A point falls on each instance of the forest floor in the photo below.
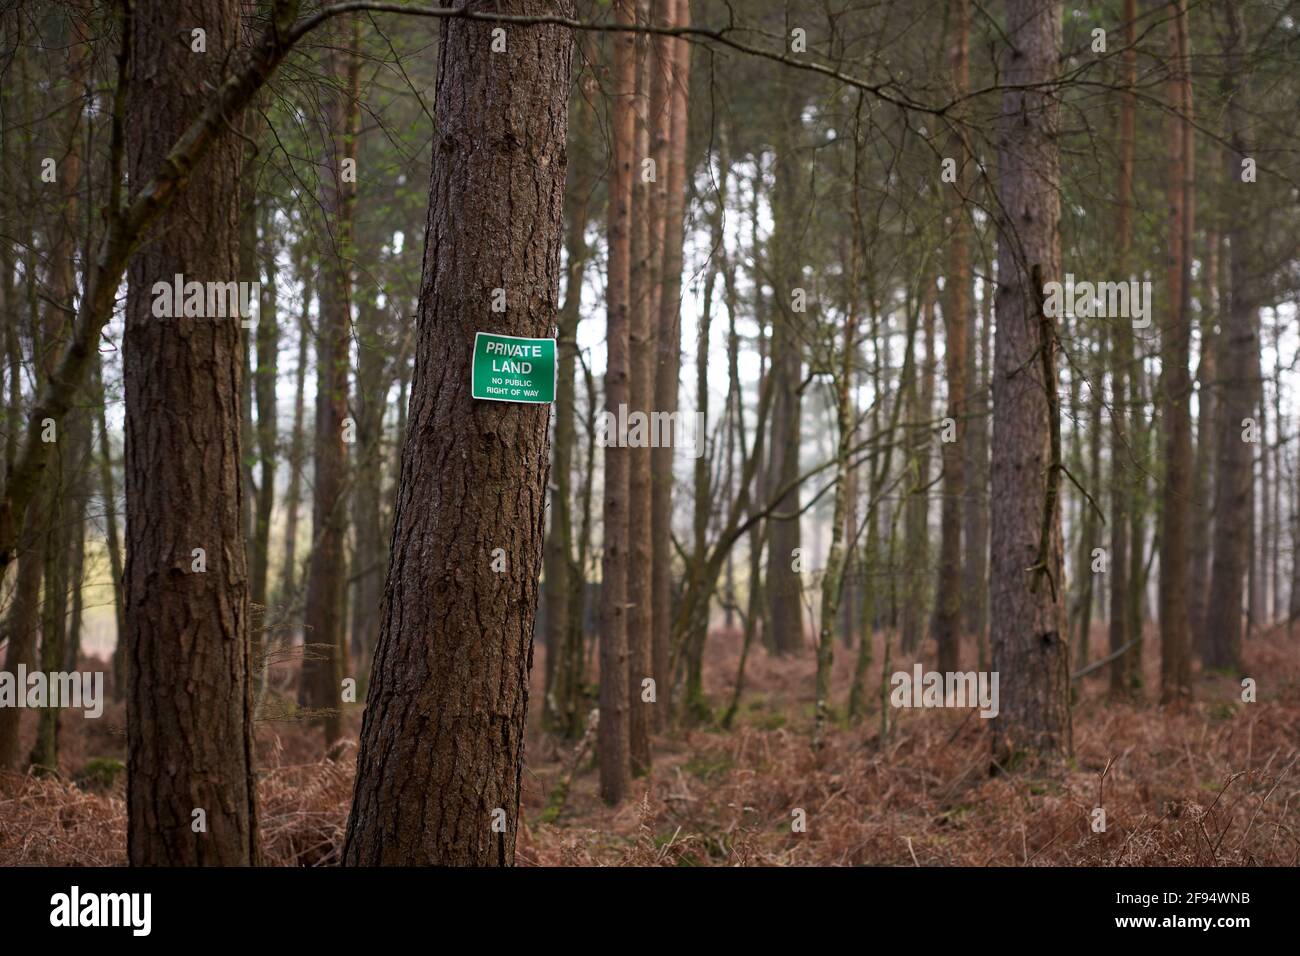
(1214, 782)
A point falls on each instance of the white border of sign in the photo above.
(555, 369)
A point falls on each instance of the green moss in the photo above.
(707, 766)
(1223, 710)
(99, 773)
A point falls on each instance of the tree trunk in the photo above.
(22, 625)
(975, 585)
(325, 655)
(297, 450)
(784, 584)
(1027, 588)
(696, 702)
(112, 537)
(916, 509)
(1239, 354)
(1176, 491)
(1121, 449)
(448, 695)
(641, 388)
(265, 371)
(956, 319)
(1207, 429)
(189, 698)
(613, 729)
(369, 552)
(677, 58)
(561, 710)
(60, 478)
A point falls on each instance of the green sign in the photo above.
(508, 368)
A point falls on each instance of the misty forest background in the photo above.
(429, 629)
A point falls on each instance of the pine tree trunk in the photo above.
(1239, 354)
(975, 586)
(916, 510)
(373, 380)
(1121, 448)
(956, 319)
(563, 691)
(1027, 588)
(448, 696)
(784, 584)
(23, 625)
(1175, 656)
(1207, 377)
(297, 450)
(112, 537)
(189, 696)
(641, 394)
(613, 730)
(325, 659)
(677, 58)
(265, 371)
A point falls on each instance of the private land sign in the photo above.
(508, 368)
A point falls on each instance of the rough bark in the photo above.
(956, 319)
(641, 374)
(443, 735)
(1026, 601)
(189, 696)
(613, 730)
(1176, 490)
(677, 59)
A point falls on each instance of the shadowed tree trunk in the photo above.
(59, 512)
(297, 448)
(1175, 511)
(1121, 450)
(1207, 392)
(22, 626)
(916, 509)
(677, 59)
(696, 704)
(112, 536)
(325, 657)
(975, 586)
(189, 697)
(641, 394)
(563, 576)
(561, 706)
(267, 339)
(1027, 634)
(613, 728)
(373, 379)
(1239, 384)
(784, 584)
(956, 318)
(448, 693)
